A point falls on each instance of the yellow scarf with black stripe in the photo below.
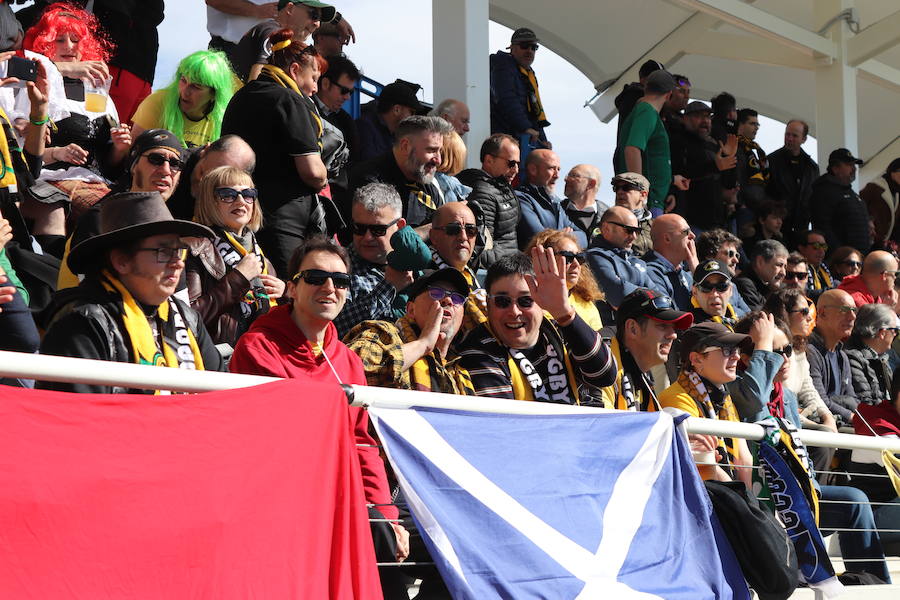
(522, 389)
(8, 178)
(428, 374)
(145, 350)
(533, 99)
(728, 320)
(723, 410)
(284, 80)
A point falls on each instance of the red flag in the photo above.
(247, 493)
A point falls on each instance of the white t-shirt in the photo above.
(230, 27)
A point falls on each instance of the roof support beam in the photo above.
(873, 40)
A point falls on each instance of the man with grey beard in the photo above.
(410, 167)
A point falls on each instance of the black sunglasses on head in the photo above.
(454, 229)
(340, 280)
(377, 230)
(504, 301)
(157, 160)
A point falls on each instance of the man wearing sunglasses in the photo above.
(125, 308)
(829, 365)
(631, 191)
(516, 106)
(672, 259)
(813, 247)
(618, 271)
(875, 283)
(711, 294)
(726, 248)
(540, 207)
(519, 353)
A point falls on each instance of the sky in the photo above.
(578, 136)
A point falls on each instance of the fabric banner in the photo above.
(561, 506)
(247, 493)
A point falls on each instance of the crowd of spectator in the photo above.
(239, 218)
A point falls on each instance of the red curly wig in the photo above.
(60, 18)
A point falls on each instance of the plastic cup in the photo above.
(96, 95)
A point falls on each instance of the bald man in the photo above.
(875, 283)
(454, 112)
(672, 259)
(618, 271)
(540, 208)
(581, 204)
(829, 366)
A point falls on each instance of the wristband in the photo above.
(43, 121)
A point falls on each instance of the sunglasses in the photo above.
(818, 245)
(454, 229)
(509, 162)
(798, 275)
(341, 281)
(532, 47)
(785, 351)
(503, 301)
(345, 91)
(721, 287)
(731, 253)
(629, 228)
(852, 263)
(229, 195)
(157, 160)
(802, 311)
(572, 256)
(625, 187)
(439, 293)
(376, 230)
(167, 255)
(727, 351)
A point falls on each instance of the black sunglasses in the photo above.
(157, 160)
(454, 229)
(721, 287)
(504, 301)
(570, 256)
(731, 253)
(798, 275)
(802, 311)
(345, 91)
(341, 281)
(377, 230)
(625, 187)
(628, 228)
(439, 293)
(785, 351)
(167, 255)
(527, 46)
(509, 162)
(851, 263)
(229, 195)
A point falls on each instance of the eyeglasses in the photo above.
(842, 308)
(167, 255)
(851, 263)
(504, 301)
(802, 311)
(454, 229)
(727, 351)
(229, 195)
(157, 160)
(891, 273)
(439, 293)
(341, 281)
(509, 162)
(532, 47)
(818, 245)
(721, 287)
(377, 230)
(798, 275)
(345, 91)
(572, 256)
(629, 228)
(785, 351)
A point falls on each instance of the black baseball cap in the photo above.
(650, 66)
(709, 333)
(447, 275)
(842, 155)
(523, 35)
(697, 106)
(709, 267)
(657, 307)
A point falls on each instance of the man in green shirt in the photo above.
(643, 145)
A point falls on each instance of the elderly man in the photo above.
(539, 206)
(873, 333)
(768, 261)
(672, 259)
(581, 204)
(631, 191)
(410, 167)
(493, 194)
(454, 112)
(519, 353)
(614, 265)
(125, 310)
(645, 329)
(377, 216)
(839, 212)
(829, 366)
(875, 283)
(516, 107)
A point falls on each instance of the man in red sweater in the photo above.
(876, 281)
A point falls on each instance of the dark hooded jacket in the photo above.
(500, 209)
(839, 214)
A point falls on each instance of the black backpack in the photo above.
(763, 549)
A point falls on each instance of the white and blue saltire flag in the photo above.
(560, 506)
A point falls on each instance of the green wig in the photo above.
(204, 67)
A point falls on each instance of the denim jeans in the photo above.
(854, 544)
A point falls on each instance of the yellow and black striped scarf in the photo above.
(533, 104)
(722, 410)
(700, 315)
(429, 374)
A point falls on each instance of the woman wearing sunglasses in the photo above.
(845, 261)
(229, 279)
(583, 289)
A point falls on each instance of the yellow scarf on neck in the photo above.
(534, 105)
(8, 176)
(143, 344)
(285, 80)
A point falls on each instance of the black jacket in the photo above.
(500, 207)
(626, 100)
(384, 169)
(752, 290)
(840, 214)
(843, 401)
(86, 323)
(869, 372)
(694, 157)
(792, 193)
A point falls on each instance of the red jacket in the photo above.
(275, 346)
(856, 287)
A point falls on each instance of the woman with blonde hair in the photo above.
(229, 279)
(453, 160)
(583, 288)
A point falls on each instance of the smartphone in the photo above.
(731, 126)
(21, 68)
